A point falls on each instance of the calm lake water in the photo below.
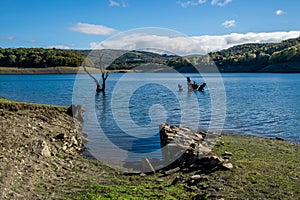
(135, 104)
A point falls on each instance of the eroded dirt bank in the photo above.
(41, 153)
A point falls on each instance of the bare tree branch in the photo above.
(99, 88)
(104, 75)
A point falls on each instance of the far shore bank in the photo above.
(278, 69)
(53, 70)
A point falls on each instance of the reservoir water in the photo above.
(265, 105)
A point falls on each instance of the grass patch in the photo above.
(4, 100)
(28, 104)
(263, 168)
(142, 191)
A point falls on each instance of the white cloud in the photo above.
(186, 4)
(279, 12)
(121, 3)
(113, 3)
(181, 45)
(229, 23)
(220, 3)
(214, 43)
(92, 29)
(58, 47)
(201, 1)
(136, 41)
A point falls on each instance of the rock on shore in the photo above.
(188, 149)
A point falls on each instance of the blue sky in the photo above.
(84, 24)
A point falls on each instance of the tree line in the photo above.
(246, 57)
(259, 54)
(39, 57)
(249, 57)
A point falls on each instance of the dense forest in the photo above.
(268, 57)
(39, 57)
(258, 56)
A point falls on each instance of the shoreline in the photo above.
(41, 159)
(53, 70)
(77, 70)
(6, 100)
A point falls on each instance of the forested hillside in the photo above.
(258, 56)
(39, 57)
(268, 57)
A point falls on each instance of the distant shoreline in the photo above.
(284, 68)
(52, 70)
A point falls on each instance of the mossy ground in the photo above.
(263, 169)
(13, 103)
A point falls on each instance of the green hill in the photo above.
(281, 57)
(269, 57)
(39, 58)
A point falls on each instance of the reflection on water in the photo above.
(257, 104)
(128, 117)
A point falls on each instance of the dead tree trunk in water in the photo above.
(99, 88)
(104, 76)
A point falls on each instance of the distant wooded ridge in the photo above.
(257, 57)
